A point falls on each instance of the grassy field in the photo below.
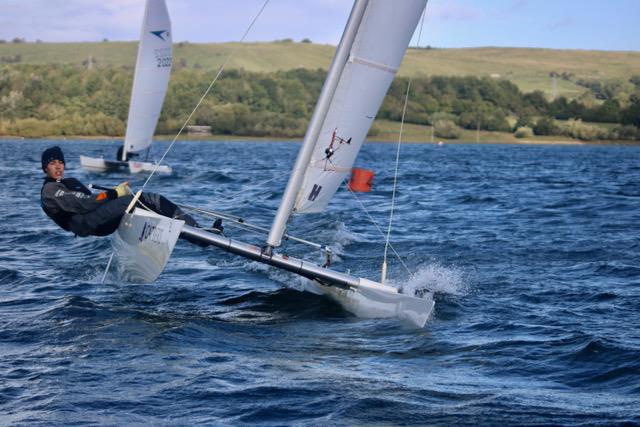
(528, 68)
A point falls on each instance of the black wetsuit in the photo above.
(72, 206)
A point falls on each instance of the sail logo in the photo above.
(315, 191)
(151, 233)
(160, 34)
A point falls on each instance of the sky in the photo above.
(559, 24)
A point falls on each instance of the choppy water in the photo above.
(533, 252)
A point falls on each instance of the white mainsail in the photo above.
(379, 46)
(367, 59)
(151, 79)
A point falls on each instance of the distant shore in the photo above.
(509, 139)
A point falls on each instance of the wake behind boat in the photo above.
(150, 83)
(362, 70)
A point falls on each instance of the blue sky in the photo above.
(562, 24)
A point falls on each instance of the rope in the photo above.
(106, 270)
(206, 92)
(375, 224)
(395, 175)
(240, 223)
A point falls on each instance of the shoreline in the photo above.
(372, 140)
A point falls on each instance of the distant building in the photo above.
(199, 130)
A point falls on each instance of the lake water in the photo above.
(533, 253)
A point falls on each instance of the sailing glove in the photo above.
(123, 189)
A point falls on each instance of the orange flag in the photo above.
(361, 180)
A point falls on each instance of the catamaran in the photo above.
(150, 82)
(368, 56)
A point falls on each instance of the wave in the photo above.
(281, 304)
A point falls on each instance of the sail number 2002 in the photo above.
(163, 57)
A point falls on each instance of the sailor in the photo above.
(128, 155)
(74, 208)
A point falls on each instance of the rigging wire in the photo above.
(375, 224)
(395, 184)
(206, 92)
(395, 176)
(240, 223)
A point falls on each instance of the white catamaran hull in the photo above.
(143, 244)
(360, 296)
(372, 300)
(93, 164)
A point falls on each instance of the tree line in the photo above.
(68, 100)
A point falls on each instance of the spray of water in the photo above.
(339, 237)
(439, 279)
(342, 236)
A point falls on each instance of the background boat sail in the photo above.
(150, 83)
(372, 46)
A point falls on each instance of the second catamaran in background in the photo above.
(150, 82)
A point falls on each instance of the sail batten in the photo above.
(151, 78)
(373, 64)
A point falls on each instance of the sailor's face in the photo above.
(55, 169)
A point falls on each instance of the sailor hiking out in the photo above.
(75, 208)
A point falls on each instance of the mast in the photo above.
(315, 125)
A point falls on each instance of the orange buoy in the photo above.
(361, 180)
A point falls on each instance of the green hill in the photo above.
(528, 68)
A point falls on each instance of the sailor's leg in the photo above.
(166, 207)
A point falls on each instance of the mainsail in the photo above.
(372, 48)
(153, 69)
